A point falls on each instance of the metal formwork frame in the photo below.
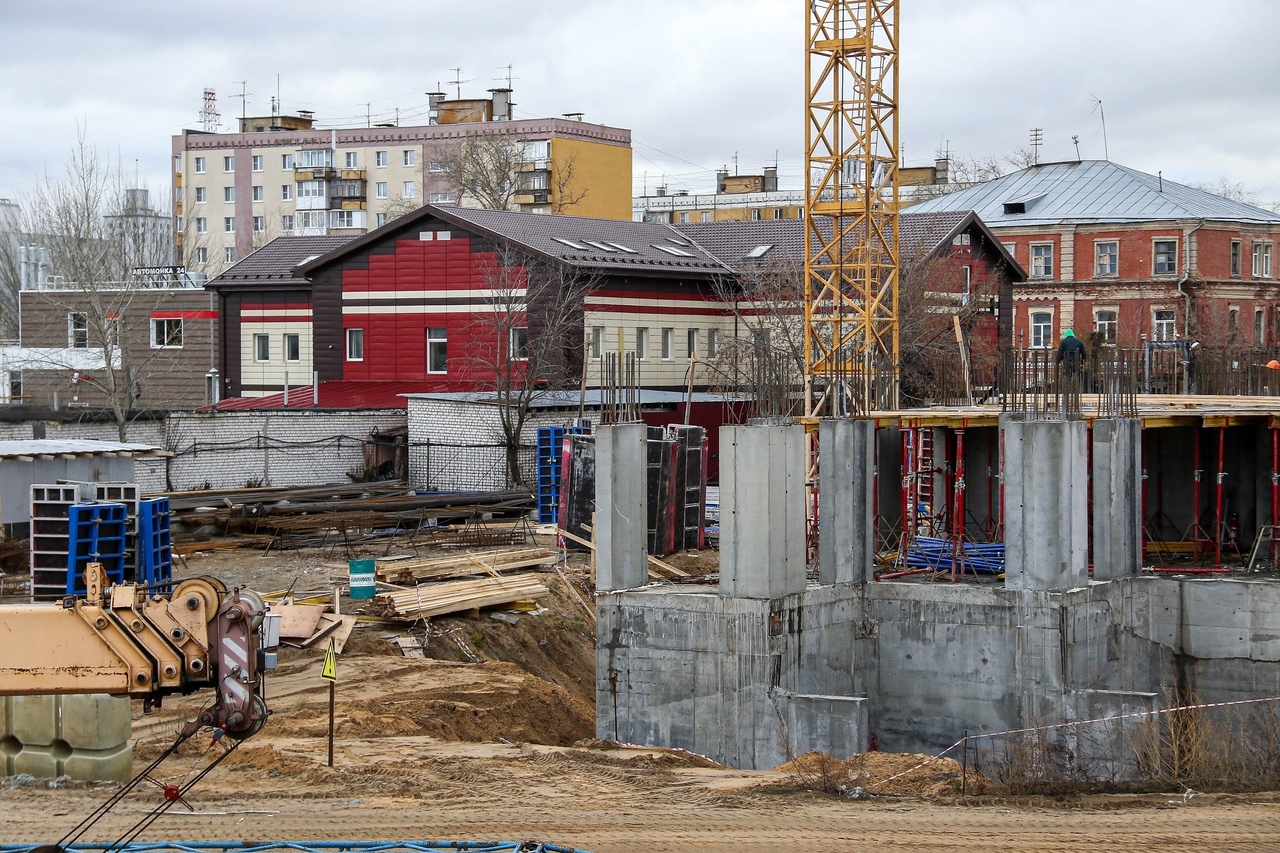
(851, 206)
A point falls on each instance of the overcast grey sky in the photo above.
(1189, 88)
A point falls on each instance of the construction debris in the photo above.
(401, 571)
(437, 599)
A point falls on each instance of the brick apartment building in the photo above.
(1125, 258)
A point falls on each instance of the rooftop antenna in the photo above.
(368, 114)
(209, 115)
(1076, 140)
(277, 105)
(508, 77)
(735, 162)
(1037, 139)
(1097, 105)
(458, 81)
(244, 97)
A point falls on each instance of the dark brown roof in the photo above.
(610, 245)
(277, 262)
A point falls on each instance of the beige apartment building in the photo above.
(282, 175)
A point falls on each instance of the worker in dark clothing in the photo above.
(1071, 354)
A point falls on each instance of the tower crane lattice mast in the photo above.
(851, 207)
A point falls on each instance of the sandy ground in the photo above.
(492, 739)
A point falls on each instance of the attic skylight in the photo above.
(678, 241)
(623, 248)
(760, 251)
(672, 250)
(570, 244)
(1022, 205)
(604, 247)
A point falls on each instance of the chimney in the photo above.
(662, 190)
(433, 106)
(722, 175)
(942, 170)
(501, 104)
(771, 179)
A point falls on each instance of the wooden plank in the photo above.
(298, 621)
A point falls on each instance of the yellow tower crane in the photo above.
(851, 207)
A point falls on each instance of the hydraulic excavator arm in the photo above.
(127, 640)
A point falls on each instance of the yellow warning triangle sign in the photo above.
(330, 670)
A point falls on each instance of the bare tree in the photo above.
(491, 171)
(528, 340)
(1235, 192)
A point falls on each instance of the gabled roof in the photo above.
(276, 262)
(741, 243)
(609, 245)
(1090, 191)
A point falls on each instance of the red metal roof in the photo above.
(336, 394)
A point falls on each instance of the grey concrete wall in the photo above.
(1046, 504)
(762, 517)
(1117, 498)
(622, 507)
(846, 516)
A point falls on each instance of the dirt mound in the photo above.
(592, 749)
(869, 770)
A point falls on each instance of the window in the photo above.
(713, 342)
(755, 213)
(380, 220)
(229, 254)
(202, 255)
(200, 166)
(444, 198)
(692, 336)
(229, 224)
(286, 222)
(379, 158)
(229, 163)
(259, 224)
(1259, 327)
(1041, 329)
(968, 284)
(668, 343)
(410, 157)
(1106, 258)
(1166, 257)
(78, 330)
(705, 216)
(352, 159)
(1233, 321)
(380, 189)
(178, 223)
(437, 166)
(200, 195)
(1105, 326)
(1235, 258)
(684, 219)
(286, 192)
(1163, 325)
(311, 219)
(518, 349)
(259, 194)
(261, 347)
(642, 343)
(255, 162)
(343, 219)
(777, 213)
(1042, 260)
(293, 347)
(286, 162)
(1262, 260)
(229, 194)
(355, 344)
(1012, 249)
(410, 189)
(166, 333)
(310, 189)
(316, 158)
(202, 225)
(597, 342)
(437, 350)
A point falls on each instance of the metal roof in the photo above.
(34, 448)
(277, 261)
(1090, 191)
(334, 394)
(592, 398)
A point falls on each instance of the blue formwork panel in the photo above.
(550, 445)
(155, 545)
(96, 534)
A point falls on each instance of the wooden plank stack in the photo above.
(463, 565)
(438, 599)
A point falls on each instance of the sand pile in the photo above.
(868, 770)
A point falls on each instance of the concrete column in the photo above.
(622, 509)
(846, 523)
(1117, 498)
(1046, 525)
(762, 519)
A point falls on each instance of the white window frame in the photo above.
(437, 166)
(229, 195)
(1259, 327)
(1236, 258)
(202, 225)
(200, 166)
(642, 343)
(597, 342)
(286, 192)
(1158, 323)
(668, 343)
(437, 335)
(410, 189)
(704, 216)
(380, 189)
(202, 255)
(1261, 259)
(1046, 260)
(229, 255)
(1113, 271)
(713, 343)
(259, 193)
(380, 219)
(258, 341)
(1155, 256)
(410, 157)
(444, 198)
(518, 343)
(229, 224)
(229, 163)
(1102, 325)
(755, 214)
(201, 195)
(294, 340)
(311, 189)
(255, 163)
(78, 330)
(286, 222)
(355, 344)
(1040, 333)
(380, 159)
(286, 162)
(162, 332)
(259, 224)
(352, 159)
(342, 219)
(691, 342)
